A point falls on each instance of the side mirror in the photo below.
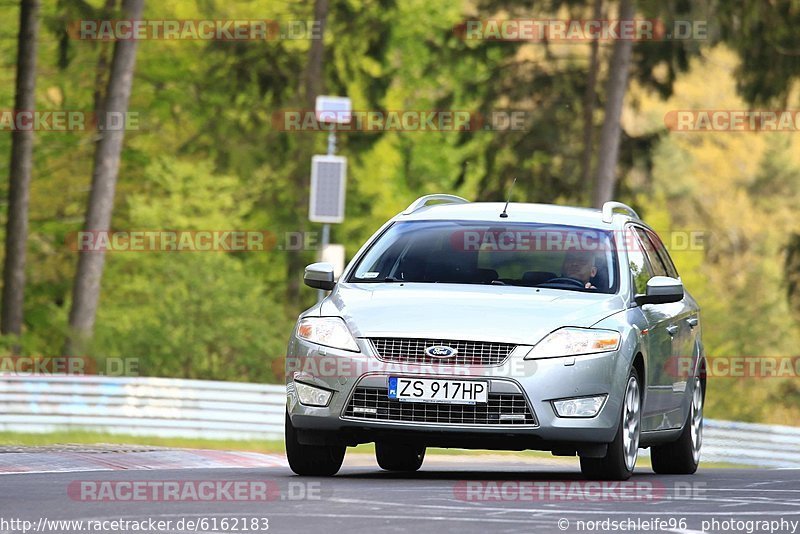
(319, 276)
(661, 290)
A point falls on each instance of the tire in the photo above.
(403, 458)
(620, 458)
(312, 460)
(682, 456)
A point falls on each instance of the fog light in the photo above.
(312, 396)
(579, 406)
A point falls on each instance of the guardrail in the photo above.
(163, 407)
(751, 444)
(167, 407)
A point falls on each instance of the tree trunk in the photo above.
(311, 87)
(86, 289)
(313, 77)
(791, 273)
(19, 179)
(101, 70)
(589, 99)
(608, 153)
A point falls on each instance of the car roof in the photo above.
(517, 212)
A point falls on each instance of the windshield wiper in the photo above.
(567, 288)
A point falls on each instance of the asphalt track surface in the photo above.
(450, 494)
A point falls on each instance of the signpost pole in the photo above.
(326, 227)
(333, 110)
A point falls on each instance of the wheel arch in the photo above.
(638, 363)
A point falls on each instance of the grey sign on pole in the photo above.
(328, 181)
(333, 109)
(329, 173)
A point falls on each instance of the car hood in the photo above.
(472, 312)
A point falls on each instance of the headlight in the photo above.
(575, 341)
(312, 396)
(328, 331)
(579, 406)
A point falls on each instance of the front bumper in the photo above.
(539, 381)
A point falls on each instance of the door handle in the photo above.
(692, 321)
(672, 329)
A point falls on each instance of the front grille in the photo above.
(406, 350)
(511, 405)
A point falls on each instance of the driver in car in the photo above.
(579, 266)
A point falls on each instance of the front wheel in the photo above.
(311, 460)
(398, 457)
(620, 458)
(681, 457)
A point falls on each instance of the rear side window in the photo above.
(639, 265)
(659, 269)
(663, 254)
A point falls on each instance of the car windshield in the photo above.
(516, 254)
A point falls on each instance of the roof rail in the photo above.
(421, 202)
(611, 205)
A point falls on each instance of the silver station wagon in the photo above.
(505, 327)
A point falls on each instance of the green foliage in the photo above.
(195, 315)
(739, 191)
(765, 36)
(190, 314)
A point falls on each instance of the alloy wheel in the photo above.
(631, 421)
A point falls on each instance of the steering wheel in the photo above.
(566, 280)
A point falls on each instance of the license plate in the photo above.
(438, 390)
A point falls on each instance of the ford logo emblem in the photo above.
(440, 351)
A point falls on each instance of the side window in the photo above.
(651, 253)
(640, 268)
(663, 254)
